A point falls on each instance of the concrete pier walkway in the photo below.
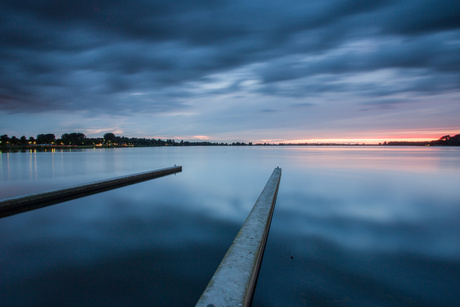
(234, 282)
(22, 204)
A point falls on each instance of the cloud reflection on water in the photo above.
(364, 225)
(104, 249)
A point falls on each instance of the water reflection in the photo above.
(117, 248)
(364, 230)
(364, 226)
(413, 159)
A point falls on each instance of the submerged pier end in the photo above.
(31, 202)
(234, 281)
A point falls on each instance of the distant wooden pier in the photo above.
(234, 282)
(31, 202)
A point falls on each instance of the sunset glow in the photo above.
(414, 136)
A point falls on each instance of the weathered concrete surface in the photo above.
(234, 282)
(22, 204)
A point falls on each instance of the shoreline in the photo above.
(46, 148)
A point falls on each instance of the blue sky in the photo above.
(234, 70)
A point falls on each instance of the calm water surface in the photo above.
(352, 226)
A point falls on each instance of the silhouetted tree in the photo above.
(73, 138)
(4, 140)
(23, 140)
(109, 137)
(445, 138)
(46, 138)
(14, 140)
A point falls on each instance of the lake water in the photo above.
(352, 226)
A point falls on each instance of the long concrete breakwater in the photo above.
(17, 205)
(235, 279)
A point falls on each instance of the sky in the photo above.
(231, 70)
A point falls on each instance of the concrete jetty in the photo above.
(234, 281)
(26, 203)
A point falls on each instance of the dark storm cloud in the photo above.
(130, 56)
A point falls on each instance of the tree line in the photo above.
(108, 140)
(112, 140)
(445, 140)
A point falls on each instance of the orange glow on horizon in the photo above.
(358, 141)
(375, 138)
(331, 137)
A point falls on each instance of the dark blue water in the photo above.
(352, 226)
